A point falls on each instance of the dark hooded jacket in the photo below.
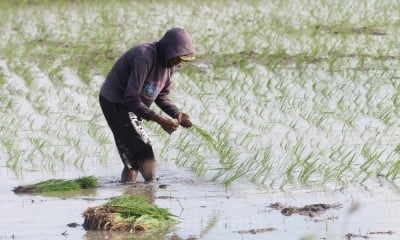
(142, 75)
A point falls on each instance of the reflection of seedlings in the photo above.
(58, 185)
(308, 210)
(211, 223)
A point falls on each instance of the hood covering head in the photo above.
(177, 42)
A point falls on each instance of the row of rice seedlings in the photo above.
(312, 167)
(75, 142)
(285, 94)
(97, 132)
(10, 146)
(110, 20)
(50, 146)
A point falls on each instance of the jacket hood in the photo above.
(176, 42)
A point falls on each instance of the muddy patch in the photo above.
(350, 236)
(312, 210)
(256, 231)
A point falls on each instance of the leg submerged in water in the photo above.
(147, 169)
(147, 163)
(128, 175)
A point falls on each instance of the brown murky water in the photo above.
(205, 209)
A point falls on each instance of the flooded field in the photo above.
(296, 103)
(205, 210)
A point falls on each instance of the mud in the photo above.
(350, 236)
(255, 231)
(73, 225)
(311, 211)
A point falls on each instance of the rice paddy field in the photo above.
(294, 103)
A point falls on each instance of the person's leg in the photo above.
(128, 175)
(129, 172)
(124, 136)
(147, 163)
(147, 169)
(132, 142)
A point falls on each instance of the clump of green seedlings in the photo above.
(59, 185)
(132, 213)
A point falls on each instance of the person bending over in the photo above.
(141, 76)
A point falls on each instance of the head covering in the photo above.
(176, 42)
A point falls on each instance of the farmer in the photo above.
(141, 76)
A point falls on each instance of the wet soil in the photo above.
(350, 236)
(255, 231)
(312, 210)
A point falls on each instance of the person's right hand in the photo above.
(169, 125)
(184, 120)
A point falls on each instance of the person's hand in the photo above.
(169, 125)
(184, 120)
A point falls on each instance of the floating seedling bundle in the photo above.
(59, 185)
(127, 213)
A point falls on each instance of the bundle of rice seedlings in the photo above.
(59, 185)
(133, 213)
(207, 137)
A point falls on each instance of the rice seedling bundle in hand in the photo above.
(207, 137)
(59, 185)
(127, 213)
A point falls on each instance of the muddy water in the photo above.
(205, 209)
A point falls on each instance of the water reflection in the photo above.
(97, 235)
(146, 189)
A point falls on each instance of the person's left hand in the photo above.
(184, 120)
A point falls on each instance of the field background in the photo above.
(289, 91)
(289, 95)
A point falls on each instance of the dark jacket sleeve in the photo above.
(165, 103)
(140, 69)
